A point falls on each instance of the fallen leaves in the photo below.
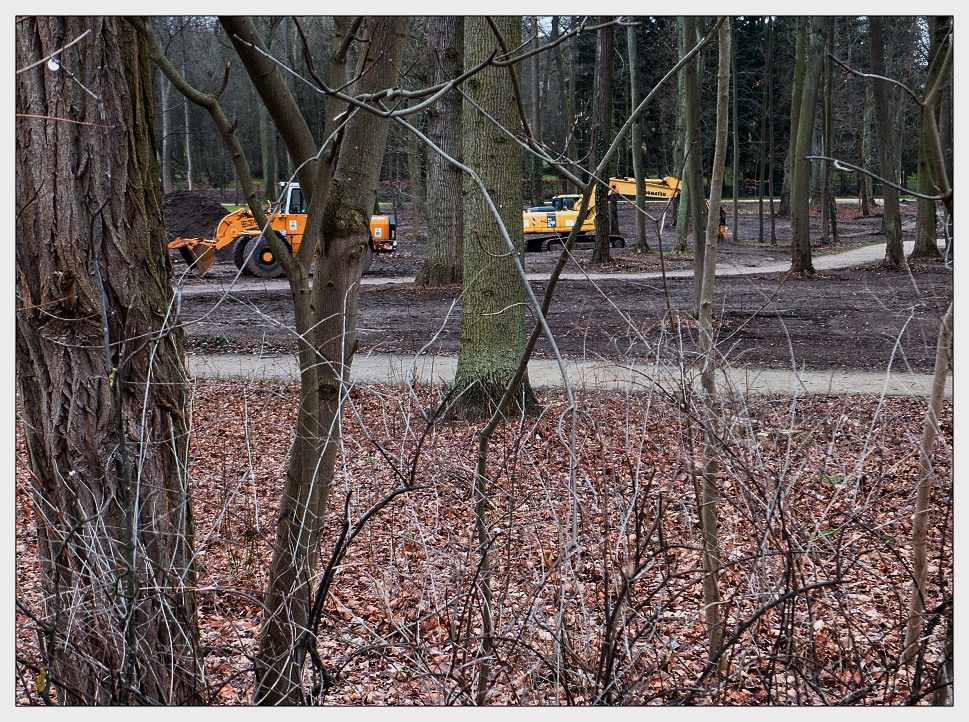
(402, 620)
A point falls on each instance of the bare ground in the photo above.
(860, 318)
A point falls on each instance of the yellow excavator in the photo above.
(251, 252)
(548, 225)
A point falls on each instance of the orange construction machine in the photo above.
(251, 252)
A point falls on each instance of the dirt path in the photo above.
(602, 375)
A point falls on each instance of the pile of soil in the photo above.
(191, 214)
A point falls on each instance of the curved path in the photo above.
(586, 375)
(847, 259)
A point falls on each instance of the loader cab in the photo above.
(387, 208)
(296, 203)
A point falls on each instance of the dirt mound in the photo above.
(191, 214)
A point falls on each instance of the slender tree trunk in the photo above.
(493, 314)
(709, 492)
(762, 151)
(829, 209)
(168, 176)
(636, 140)
(417, 183)
(535, 119)
(865, 190)
(188, 132)
(694, 166)
(602, 137)
(770, 130)
(891, 217)
(735, 174)
(565, 104)
(923, 489)
(801, 167)
(684, 43)
(100, 372)
(445, 231)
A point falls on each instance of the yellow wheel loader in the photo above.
(251, 252)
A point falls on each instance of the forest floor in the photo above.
(853, 318)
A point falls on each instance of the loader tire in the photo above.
(239, 252)
(261, 262)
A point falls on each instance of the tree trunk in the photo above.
(762, 149)
(829, 208)
(801, 167)
(923, 489)
(891, 218)
(445, 232)
(535, 116)
(601, 138)
(770, 130)
(566, 104)
(735, 174)
(416, 183)
(168, 176)
(636, 140)
(865, 190)
(682, 154)
(709, 492)
(267, 147)
(100, 372)
(694, 165)
(493, 314)
(188, 132)
(926, 223)
(797, 93)
(337, 229)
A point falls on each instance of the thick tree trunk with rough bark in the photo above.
(100, 371)
(493, 313)
(445, 231)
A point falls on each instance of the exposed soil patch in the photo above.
(862, 318)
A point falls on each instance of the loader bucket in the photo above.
(197, 254)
